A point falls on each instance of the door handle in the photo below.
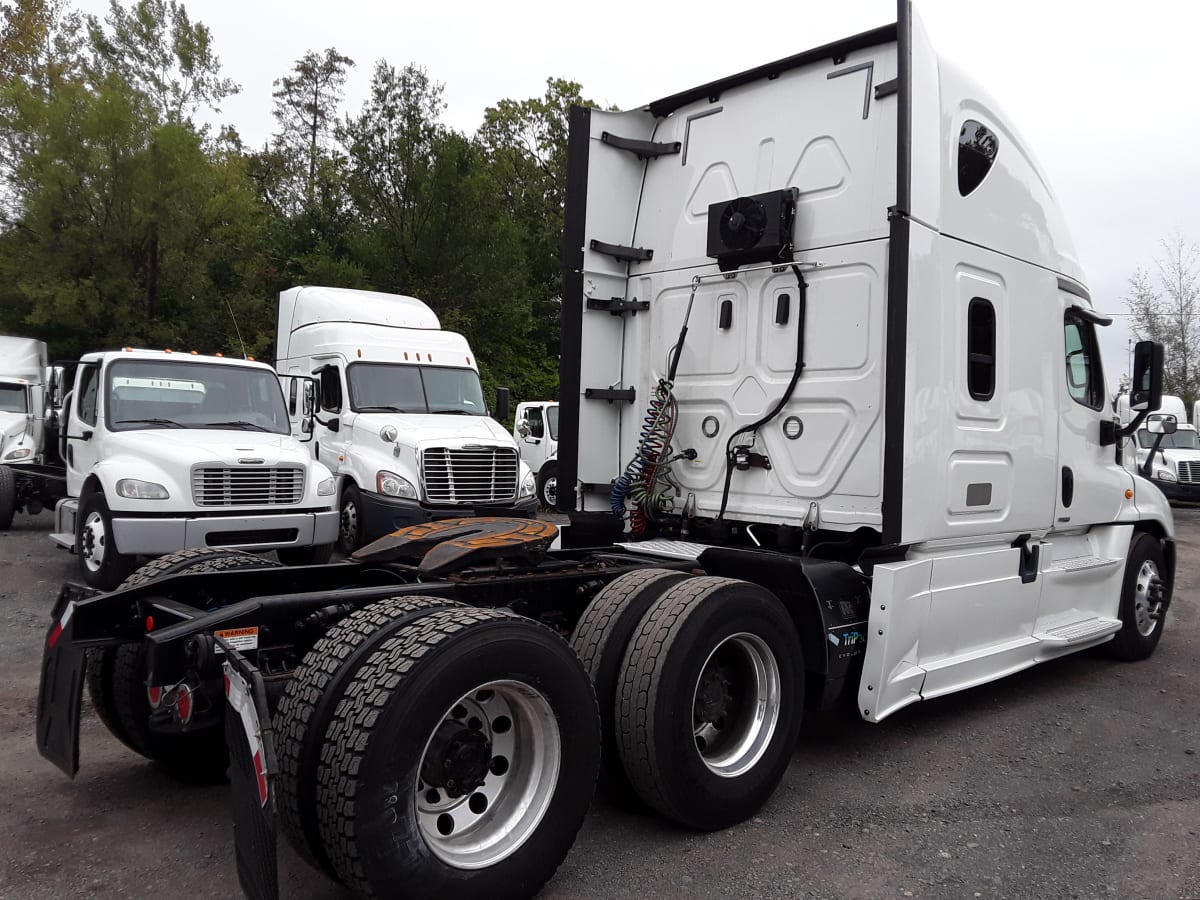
(1068, 486)
(82, 436)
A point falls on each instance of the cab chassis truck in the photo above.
(834, 429)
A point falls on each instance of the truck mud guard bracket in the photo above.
(621, 252)
(641, 149)
(629, 395)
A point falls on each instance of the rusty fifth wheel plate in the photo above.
(440, 547)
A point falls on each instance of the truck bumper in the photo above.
(1176, 490)
(383, 515)
(154, 536)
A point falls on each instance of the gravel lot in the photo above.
(1078, 778)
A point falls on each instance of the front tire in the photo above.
(547, 485)
(350, 520)
(710, 701)
(8, 497)
(461, 761)
(101, 565)
(1145, 595)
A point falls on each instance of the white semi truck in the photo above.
(1169, 458)
(402, 419)
(535, 429)
(166, 451)
(833, 430)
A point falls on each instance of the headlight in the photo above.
(528, 485)
(326, 488)
(19, 453)
(388, 434)
(132, 489)
(392, 485)
(1165, 475)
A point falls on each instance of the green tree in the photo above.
(1165, 307)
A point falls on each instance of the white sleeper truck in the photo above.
(166, 451)
(535, 429)
(402, 419)
(854, 447)
(29, 478)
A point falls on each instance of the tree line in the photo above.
(125, 219)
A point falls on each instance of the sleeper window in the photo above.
(977, 146)
(1085, 378)
(981, 349)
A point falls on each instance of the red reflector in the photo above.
(154, 695)
(55, 634)
(183, 706)
(226, 685)
(261, 772)
(149, 623)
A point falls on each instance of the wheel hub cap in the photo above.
(93, 544)
(1148, 594)
(457, 759)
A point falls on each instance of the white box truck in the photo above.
(166, 451)
(30, 480)
(402, 420)
(535, 429)
(854, 447)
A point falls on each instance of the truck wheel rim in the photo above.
(92, 551)
(735, 706)
(487, 774)
(1145, 607)
(349, 524)
(551, 491)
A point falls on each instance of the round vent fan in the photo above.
(742, 223)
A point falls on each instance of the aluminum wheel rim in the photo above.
(349, 524)
(521, 731)
(93, 543)
(735, 705)
(1145, 608)
(550, 489)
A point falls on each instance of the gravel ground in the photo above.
(1078, 778)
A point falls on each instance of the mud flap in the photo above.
(60, 691)
(252, 770)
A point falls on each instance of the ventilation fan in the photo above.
(752, 229)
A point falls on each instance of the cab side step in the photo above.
(1079, 632)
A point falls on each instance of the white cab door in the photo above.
(82, 438)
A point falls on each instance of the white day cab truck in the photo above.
(166, 451)
(402, 420)
(535, 429)
(30, 480)
(854, 447)
(1165, 449)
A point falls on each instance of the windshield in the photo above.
(552, 420)
(150, 393)
(1180, 440)
(12, 398)
(385, 387)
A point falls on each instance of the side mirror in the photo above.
(502, 403)
(310, 398)
(523, 428)
(1162, 424)
(1145, 393)
(54, 383)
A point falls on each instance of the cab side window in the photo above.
(89, 392)
(331, 389)
(1085, 378)
(537, 428)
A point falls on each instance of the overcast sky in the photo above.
(1103, 91)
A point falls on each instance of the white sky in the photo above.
(1103, 91)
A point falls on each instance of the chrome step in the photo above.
(1079, 632)
(668, 549)
(1079, 563)
(66, 539)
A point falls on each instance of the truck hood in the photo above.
(1174, 457)
(11, 424)
(418, 431)
(186, 446)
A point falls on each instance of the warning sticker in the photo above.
(239, 638)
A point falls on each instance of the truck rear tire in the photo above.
(101, 565)
(547, 485)
(350, 520)
(115, 677)
(1142, 608)
(600, 640)
(710, 702)
(308, 703)
(8, 497)
(461, 761)
(314, 555)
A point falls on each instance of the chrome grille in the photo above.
(1189, 470)
(469, 474)
(260, 486)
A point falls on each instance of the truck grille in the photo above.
(222, 486)
(469, 475)
(1189, 470)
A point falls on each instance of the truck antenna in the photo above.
(235, 327)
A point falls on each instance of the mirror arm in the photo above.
(1147, 467)
(1133, 426)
